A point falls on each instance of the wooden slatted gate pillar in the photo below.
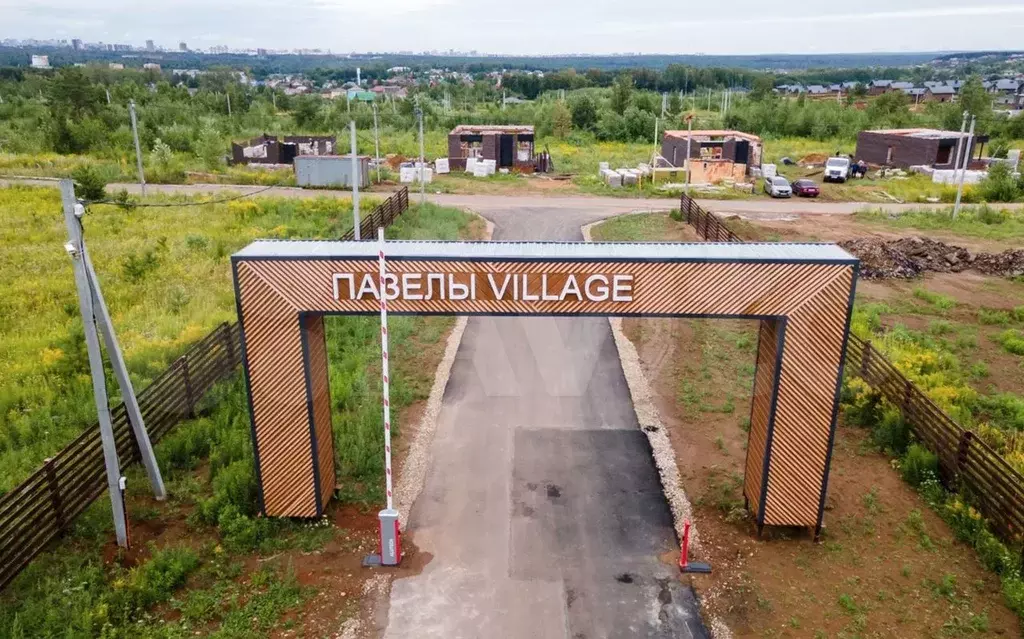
(801, 293)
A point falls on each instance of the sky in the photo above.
(531, 27)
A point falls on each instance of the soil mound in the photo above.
(910, 256)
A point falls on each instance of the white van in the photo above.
(837, 169)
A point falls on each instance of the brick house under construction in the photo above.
(909, 147)
(267, 149)
(510, 146)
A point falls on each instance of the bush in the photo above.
(919, 465)
(240, 533)
(1000, 185)
(1012, 341)
(89, 184)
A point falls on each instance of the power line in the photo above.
(182, 204)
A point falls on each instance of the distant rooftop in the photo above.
(712, 133)
(492, 128)
(928, 134)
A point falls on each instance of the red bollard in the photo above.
(685, 565)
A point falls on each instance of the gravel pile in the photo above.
(910, 256)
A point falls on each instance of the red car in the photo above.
(805, 188)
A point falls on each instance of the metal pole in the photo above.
(390, 539)
(423, 186)
(72, 219)
(963, 171)
(138, 148)
(229, 104)
(689, 139)
(376, 140)
(959, 143)
(124, 382)
(655, 133)
(355, 180)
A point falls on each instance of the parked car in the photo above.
(805, 188)
(777, 186)
(837, 169)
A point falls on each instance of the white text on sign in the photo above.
(515, 287)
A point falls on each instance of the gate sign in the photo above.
(801, 293)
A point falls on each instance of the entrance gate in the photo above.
(801, 293)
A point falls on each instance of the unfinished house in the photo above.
(509, 146)
(912, 147)
(267, 149)
(714, 155)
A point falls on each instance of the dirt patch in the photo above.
(820, 227)
(887, 565)
(910, 256)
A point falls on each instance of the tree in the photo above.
(675, 103)
(764, 87)
(622, 92)
(561, 120)
(584, 111)
(975, 100)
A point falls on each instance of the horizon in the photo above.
(534, 29)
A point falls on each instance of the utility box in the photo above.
(331, 170)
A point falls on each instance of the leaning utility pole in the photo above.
(960, 142)
(229, 104)
(138, 148)
(95, 314)
(355, 180)
(963, 170)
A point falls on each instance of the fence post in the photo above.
(55, 501)
(908, 388)
(961, 450)
(189, 397)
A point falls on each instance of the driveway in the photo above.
(542, 507)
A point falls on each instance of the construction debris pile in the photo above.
(910, 256)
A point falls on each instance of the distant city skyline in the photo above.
(531, 27)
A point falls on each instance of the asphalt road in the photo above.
(542, 507)
(753, 209)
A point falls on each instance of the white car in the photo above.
(837, 169)
(778, 186)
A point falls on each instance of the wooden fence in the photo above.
(384, 215)
(43, 506)
(707, 224)
(966, 463)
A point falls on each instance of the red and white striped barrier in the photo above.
(390, 540)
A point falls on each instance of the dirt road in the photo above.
(542, 507)
(750, 209)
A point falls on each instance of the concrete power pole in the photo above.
(138, 147)
(376, 141)
(422, 168)
(229, 104)
(689, 139)
(960, 142)
(95, 314)
(355, 180)
(963, 170)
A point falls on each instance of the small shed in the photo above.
(331, 170)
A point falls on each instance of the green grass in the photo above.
(981, 221)
(166, 277)
(208, 467)
(644, 227)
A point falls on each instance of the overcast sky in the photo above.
(532, 26)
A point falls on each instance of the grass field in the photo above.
(165, 274)
(897, 557)
(243, 575)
